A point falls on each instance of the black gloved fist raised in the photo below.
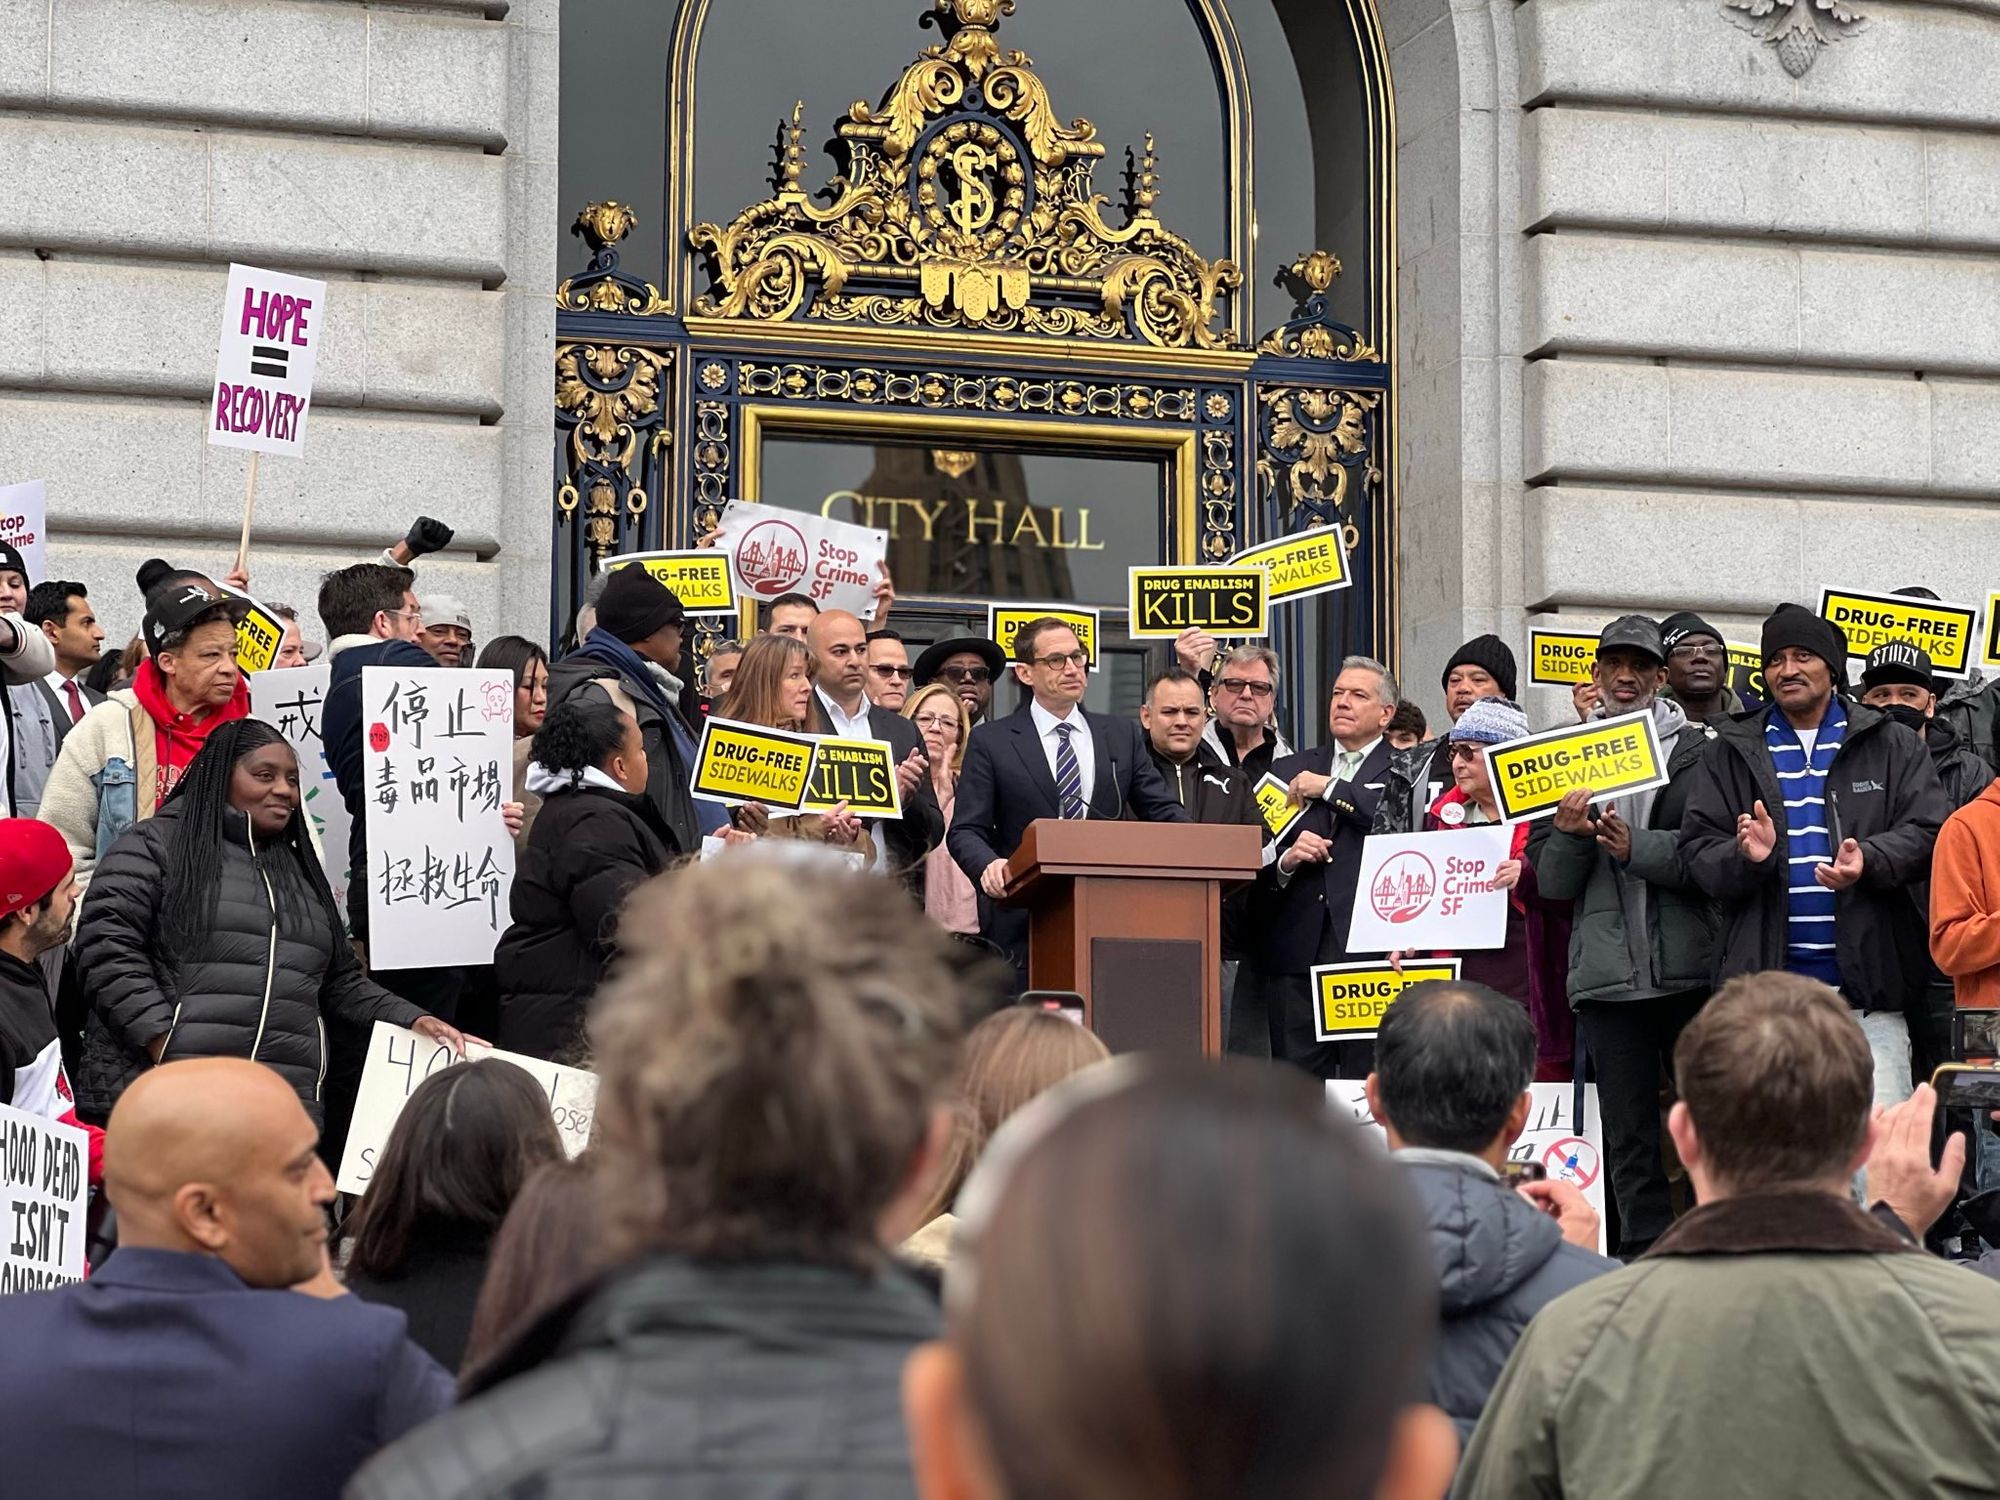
(428, 536)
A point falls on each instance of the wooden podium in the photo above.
(1129, 915)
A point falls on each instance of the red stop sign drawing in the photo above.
(378, 737)
(1573, 1160)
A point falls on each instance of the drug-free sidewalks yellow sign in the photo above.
(260, 635)
(1274, 801)
(1300, 565)
(1606, 757)
(700, 579)
(1559, 658)
(1349, 999)
(1226, 601)
(1004, 622)
(1945, 632)
(747, 763)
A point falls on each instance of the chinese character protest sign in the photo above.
(264, 363)
(44, 1188)
(437, 753)
(290, 700)
(399, 1060)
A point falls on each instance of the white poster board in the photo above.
(291, 700)
(1551, 1137)
(399, 1060)
(44, 1191)
(271, 327)
(1431, 891)
(776, 551)
(437, 755)
(24, 523)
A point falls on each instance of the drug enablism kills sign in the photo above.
(1227, 601)
(748, 763)
(24, 522)
(1431, 890)
(701, 579)
(1004, 622)
(1349, 999)
(1606, 757)
(292, 700)
(1301, 565)
(1746, 672)
(437, 760)
(861, 773)
(1560, 658)
(399, 1060)
(1945, 632)
(271, 328)
(1553, 1139)
(1274, 801)
(1991, 656)
(775, 551)
(44, 1192)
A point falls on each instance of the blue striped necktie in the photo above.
(1069, 776)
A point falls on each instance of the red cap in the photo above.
(34, 858)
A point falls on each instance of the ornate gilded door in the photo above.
(1029, 387)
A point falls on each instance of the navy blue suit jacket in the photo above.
(165, 1376)
(1286, 919)
(1006, 784)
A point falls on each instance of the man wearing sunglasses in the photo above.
(1056, 760)
(889, 670)
(1243, 688)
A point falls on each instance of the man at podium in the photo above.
(1056, 760)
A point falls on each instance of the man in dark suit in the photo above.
(186, 1365)
(1304, 899)
(840, 707)
(43, 711)
(1055, 760)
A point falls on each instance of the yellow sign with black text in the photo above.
(1274, 801)
(1306, 563)
(1226, 601)
(1349, 999)
(260, 636)
(1606, 757)
(1004, 622)
(701, 579)
(748, 763)
(1560, 658)
(1746, 671)
(1992, 656)
(1945, 632)
(861, 773)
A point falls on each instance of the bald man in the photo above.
(185, 1367)
(841, 707)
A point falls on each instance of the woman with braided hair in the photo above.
(210, 931)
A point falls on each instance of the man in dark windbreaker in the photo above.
(1808, 822)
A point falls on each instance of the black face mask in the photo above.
(1908, 717)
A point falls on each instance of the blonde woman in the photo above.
(773, 687)
(941, 718)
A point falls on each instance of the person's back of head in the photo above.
(771, 1059)
(1011, 1057)
(1179, 1281)
(217, 1156)
(1453, 1062)
(550, 1243)
(351, 598)
(589, 732)
(456, 1158)
(1777, 1089)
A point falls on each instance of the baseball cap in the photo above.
(1897, 661)
(172, 609)
(1633, 633)
(444, 609)
(33, 860)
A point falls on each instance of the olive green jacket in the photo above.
(1766, 1346)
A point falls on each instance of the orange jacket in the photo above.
(1965, 900)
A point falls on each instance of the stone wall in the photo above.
(405, 155)
(1748, 328)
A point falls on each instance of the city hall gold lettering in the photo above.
(970, 520)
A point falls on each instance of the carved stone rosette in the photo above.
(1797, 29)
(964, 202)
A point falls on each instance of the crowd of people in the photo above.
(851, 1221)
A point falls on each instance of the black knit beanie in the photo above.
(1795, 625)
(636, 605)
(1683, 623)
(1491, 655)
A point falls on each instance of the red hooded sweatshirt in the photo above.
(180, 736)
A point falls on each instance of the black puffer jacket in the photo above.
(699, 1382)
(270, 967)
(1500, 1260)
(588, 849)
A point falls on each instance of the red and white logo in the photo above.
(1403, 888)
(1573, 1160)
(771, 559)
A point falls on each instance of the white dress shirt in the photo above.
(1079, 742)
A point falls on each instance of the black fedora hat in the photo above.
(935, 656)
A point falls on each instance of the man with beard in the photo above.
(971, 666)
(1697, 668)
